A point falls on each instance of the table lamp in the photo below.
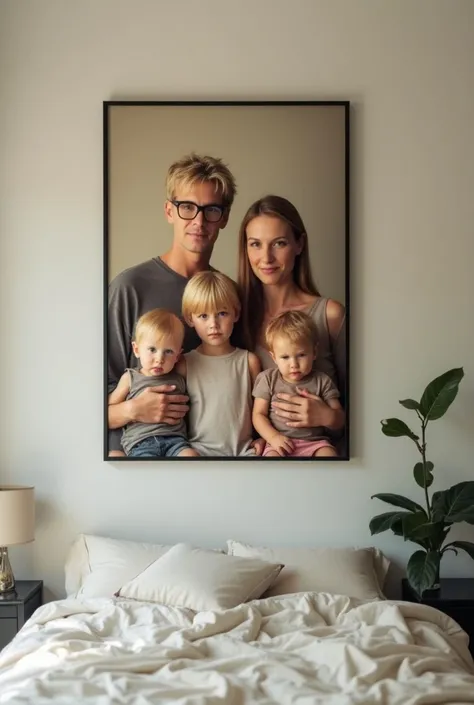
(17, 525)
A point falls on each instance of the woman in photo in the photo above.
(274, 277)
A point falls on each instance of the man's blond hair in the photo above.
(295, 326)
(196, 168)
(209, 292)
(159, 322)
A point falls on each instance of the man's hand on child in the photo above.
(154, 405)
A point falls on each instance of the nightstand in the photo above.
(455, 598)
(17, 607)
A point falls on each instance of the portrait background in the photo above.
(295, 151)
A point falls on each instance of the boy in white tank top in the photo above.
(292, 339)
(219, 377)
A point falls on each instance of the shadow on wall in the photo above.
(54, 528)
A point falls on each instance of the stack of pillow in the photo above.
(202, 579)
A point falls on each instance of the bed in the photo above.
(199, 626)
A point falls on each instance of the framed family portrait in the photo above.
(226, 281)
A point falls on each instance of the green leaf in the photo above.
(383, 522)
(422, 479)
(467, 546)
(455, 504)
(397, 524)
(433, 533)
(440, 531)
(409, 404)
(396, 427)
(399, 500)
(440, 394)
(397, 528)
(423, 570)
(411, 523)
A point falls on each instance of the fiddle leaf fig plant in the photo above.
(427, 524)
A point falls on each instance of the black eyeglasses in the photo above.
(187, 210)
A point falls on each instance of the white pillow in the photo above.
(97, 566)
(357, 572)
(201, 580)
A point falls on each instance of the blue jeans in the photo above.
(159, 447)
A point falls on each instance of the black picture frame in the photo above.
(109, 106)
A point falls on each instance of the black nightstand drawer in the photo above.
(7, 611)
(8, 629)
(17, 607)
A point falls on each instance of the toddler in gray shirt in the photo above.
(292, 340)
(157, 343)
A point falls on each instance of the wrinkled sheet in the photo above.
(302, 649)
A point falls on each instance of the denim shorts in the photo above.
(159, 447)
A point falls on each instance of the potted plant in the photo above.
(428, 525)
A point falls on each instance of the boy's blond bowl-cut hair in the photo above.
(196, 168)
(209, 292)
(296, 326)
(159, 322)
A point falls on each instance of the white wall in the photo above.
(407, 66)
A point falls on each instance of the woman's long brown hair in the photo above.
(250, 287)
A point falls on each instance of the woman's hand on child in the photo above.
(303, 410)
(154, 405)
(282, 444)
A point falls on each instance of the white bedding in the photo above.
(302, 649)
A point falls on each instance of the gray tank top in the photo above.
(135, 432)
(220, 399)
(326, 361)
(269, 383)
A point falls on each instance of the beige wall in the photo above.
(407, 68)
(293, 151)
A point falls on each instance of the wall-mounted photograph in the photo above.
(226, 281)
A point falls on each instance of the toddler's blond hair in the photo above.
(196, 168)
(295, 326)
(159, 322)
(208, 292)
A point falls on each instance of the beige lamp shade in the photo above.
(17, 514)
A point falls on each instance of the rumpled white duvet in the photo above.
(302, 649)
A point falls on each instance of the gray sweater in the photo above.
(132, 293)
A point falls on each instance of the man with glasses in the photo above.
(200, 192)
